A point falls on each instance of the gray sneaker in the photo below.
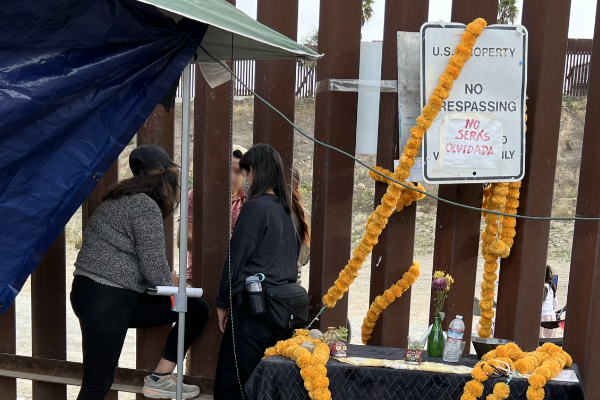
(167, 388)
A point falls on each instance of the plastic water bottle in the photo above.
(454, 346)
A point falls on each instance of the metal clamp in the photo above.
(180, 302)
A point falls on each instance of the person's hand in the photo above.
(223, 314)
(175, 279)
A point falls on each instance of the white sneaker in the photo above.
(167, 388)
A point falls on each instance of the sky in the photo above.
(581, 24)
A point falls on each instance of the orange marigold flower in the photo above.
(441, 92)
(403, 285)
(436, 102)
(498, 247)
(509, 232)
(474, 387)
(408, 158)
(486, 304)
(500, 189)
(329, 301)
(414, 143)
(535, 393)
(389, 296)
(417, 132)
(453, 71)
(321, 382)
(423, 122)
(537, 380)
(491, 267)
(469, 40)
(429, 112)
(513, 193)
(499, 200)
(491, 219)
(396, 290)
(501, 351)
(476, 27)
(446, 81)
(484, 332)
(458, 62)
(467, 396)
(381, 302)
(463, 50)
(402, 174)
(501, 390)
(490, 276)
(480, 373)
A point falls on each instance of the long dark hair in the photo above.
(162, 185)
(267, 173)
(298, 208)
(548, 280)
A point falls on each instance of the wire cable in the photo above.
(379, 173)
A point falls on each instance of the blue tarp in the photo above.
(78, 78)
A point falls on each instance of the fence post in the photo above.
(397, 241)
(158, 129)
(333, 177)
(211, 205)
(8, 345)
(581, 332)
(49, 315)
(275, 82)
(457, 229)
(522, 274)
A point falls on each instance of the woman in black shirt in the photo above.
(264, 241)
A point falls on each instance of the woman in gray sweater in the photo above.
(122, 255)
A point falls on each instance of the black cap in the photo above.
(149, 157)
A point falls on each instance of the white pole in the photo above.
(185, 168)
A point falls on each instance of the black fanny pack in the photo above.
(287, 306)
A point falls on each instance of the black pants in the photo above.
(252, 338)
(105, 313)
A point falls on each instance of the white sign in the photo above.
(479, 135)
(473, 142)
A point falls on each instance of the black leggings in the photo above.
(105, 313)
(252, 338)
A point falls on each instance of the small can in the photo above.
(255, 298)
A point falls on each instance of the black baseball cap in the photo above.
(149, 157)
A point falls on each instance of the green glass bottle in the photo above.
(435, 345)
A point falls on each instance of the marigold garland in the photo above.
(492, 247)
(380, 216)
(541, 365)
(388, 297)
(497, 240)
(312, 366)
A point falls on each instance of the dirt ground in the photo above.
(559, 245)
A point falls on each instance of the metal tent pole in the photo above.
(181, 297)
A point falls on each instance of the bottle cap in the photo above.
(459, 317)
(252, 279)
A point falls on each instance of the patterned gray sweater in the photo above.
(124, 245)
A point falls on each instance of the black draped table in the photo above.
(278, 378)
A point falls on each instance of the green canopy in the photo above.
(231, 31)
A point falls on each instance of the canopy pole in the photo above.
(185, 167)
